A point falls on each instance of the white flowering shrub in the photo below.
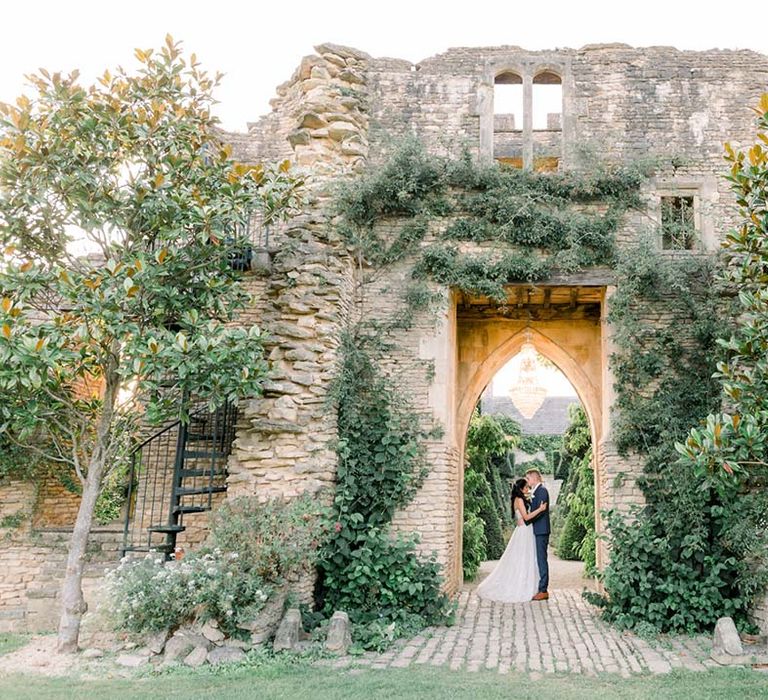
(144, 595)
(254, 548)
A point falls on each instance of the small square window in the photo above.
(678, 223)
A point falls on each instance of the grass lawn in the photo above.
(12, 642)
(278, 680)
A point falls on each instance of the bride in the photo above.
(516, 577)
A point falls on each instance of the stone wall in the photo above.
(35, 527)
(56, 506)
(32, 561)
(343, 109)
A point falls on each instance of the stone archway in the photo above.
(565, 325)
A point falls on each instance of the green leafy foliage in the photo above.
(676, 587)
(378, 578)
(275, 540)
(380, 448)
(577, 497)
(537, 222)
(114, 492)
(484, 274)
(133, 169)
(134, 166)
(668, 578)
(386, 580)
(474, 544)
(478, 500)
(696, 551)
(490, 440)
(254, 549)
(406, 185)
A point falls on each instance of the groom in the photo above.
(539, 495)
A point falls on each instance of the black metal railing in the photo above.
(174, 473)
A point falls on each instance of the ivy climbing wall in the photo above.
(343, 111)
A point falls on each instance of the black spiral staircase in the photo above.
(174, 473)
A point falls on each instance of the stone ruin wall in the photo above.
(342, 110)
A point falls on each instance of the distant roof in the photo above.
(550, 419)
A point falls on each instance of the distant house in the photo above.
(550, 419)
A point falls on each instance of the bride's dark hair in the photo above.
(517, 489)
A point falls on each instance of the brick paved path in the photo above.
(563, 634)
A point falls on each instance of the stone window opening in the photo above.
(679, 214)
(508, 102)
(547, 101)
(524, 128)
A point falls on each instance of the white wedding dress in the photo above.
(516, 577)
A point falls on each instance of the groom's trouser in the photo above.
(542, 542)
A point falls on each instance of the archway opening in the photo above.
(529, 416)
(508, 100)
(547, 102)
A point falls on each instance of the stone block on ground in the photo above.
(238, 644)
(212, 632)
(339, 635)
(196, 657)
(727, 640)
(183, 643)
(132, 660)
(263, 626)
(225, 655)
(156, 642)
(288, 632)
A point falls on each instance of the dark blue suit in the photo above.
(541, 530)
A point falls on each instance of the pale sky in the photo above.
(259, 44)
(550, 377)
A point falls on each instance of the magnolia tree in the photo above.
(729, 452)
(134, 167)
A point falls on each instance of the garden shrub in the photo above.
(486, 493)
(576, 539)
(697, 551)
(254, 548)
(382, 582)
(479, 500)
(474, 543)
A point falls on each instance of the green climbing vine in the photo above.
(669, 569)
(376, 576)
(453, 224)
(536, 222)
(696, 552)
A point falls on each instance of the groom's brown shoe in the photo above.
(542, 595)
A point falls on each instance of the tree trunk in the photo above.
(73, 604)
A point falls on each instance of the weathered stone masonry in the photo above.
(343, 110)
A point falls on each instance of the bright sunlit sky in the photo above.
(548, 375)
(258, 44)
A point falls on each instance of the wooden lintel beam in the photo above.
(555, 312)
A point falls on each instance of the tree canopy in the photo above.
(120, 207)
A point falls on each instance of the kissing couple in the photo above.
(522, 573)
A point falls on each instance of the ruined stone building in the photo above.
(343, 110)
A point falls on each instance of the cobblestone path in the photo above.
(563, 634)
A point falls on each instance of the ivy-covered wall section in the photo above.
(421, 225)
(697, 551)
